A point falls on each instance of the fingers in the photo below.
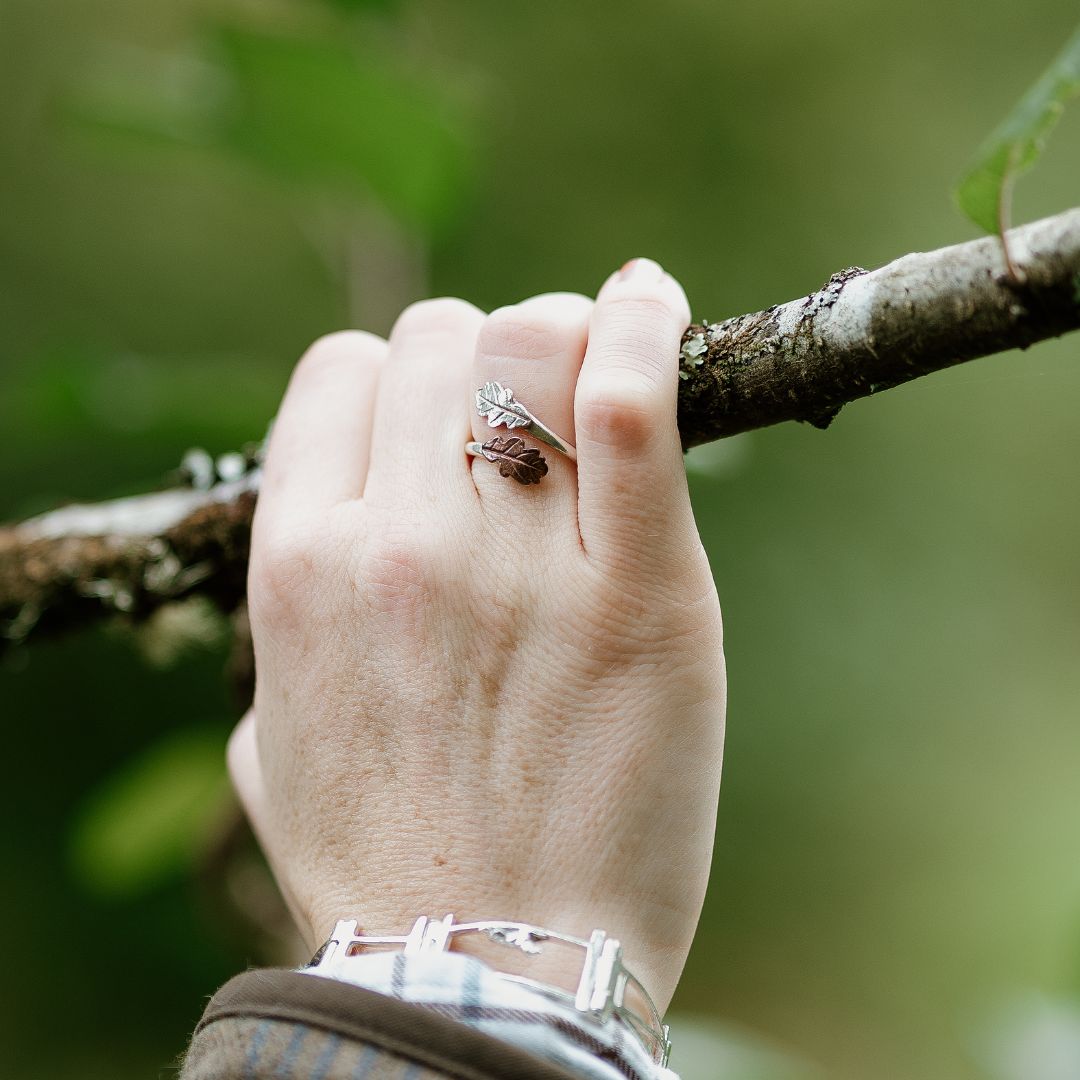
(535, 349)
(632, 492)
(321, 440)
(421, 427)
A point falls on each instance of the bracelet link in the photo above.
(602, 976)
(429, 935)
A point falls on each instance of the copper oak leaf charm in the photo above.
(524, 463)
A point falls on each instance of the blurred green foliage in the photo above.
(147, 822)
(895, 864)
(1017, 142)
(366, 5)
(319, 111)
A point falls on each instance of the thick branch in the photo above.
(859, 334)
(866, 332)
(128, 556)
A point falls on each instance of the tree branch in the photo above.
(859, 334)
(866, 332)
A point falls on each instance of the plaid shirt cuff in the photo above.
(466, 989)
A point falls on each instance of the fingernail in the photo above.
(640, 269)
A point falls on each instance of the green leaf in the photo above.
(1015, 145)
(146, 823)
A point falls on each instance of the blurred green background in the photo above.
(190, 192)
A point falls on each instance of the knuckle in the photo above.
(654, 315)
(618, 410)
(535, 333)
(569, 305)
(445, 314)
(341, 347)
(656, 607)
(640, 335)
(637, 360)
(398, 573)
(280, 576)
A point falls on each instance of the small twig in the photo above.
(1004, 214)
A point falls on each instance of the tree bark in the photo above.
(861, 333)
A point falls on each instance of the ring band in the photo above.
(497, 404)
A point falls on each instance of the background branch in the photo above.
(861, 333)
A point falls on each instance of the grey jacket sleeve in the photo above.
(288, 1026)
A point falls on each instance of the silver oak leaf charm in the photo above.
(497, 403)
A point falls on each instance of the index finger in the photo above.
(320, 445)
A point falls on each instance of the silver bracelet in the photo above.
(602, 986)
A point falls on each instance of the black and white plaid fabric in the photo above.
(466, 989)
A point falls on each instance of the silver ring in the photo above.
(498, 405)
(524, 463)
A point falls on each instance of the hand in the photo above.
(475, 696)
